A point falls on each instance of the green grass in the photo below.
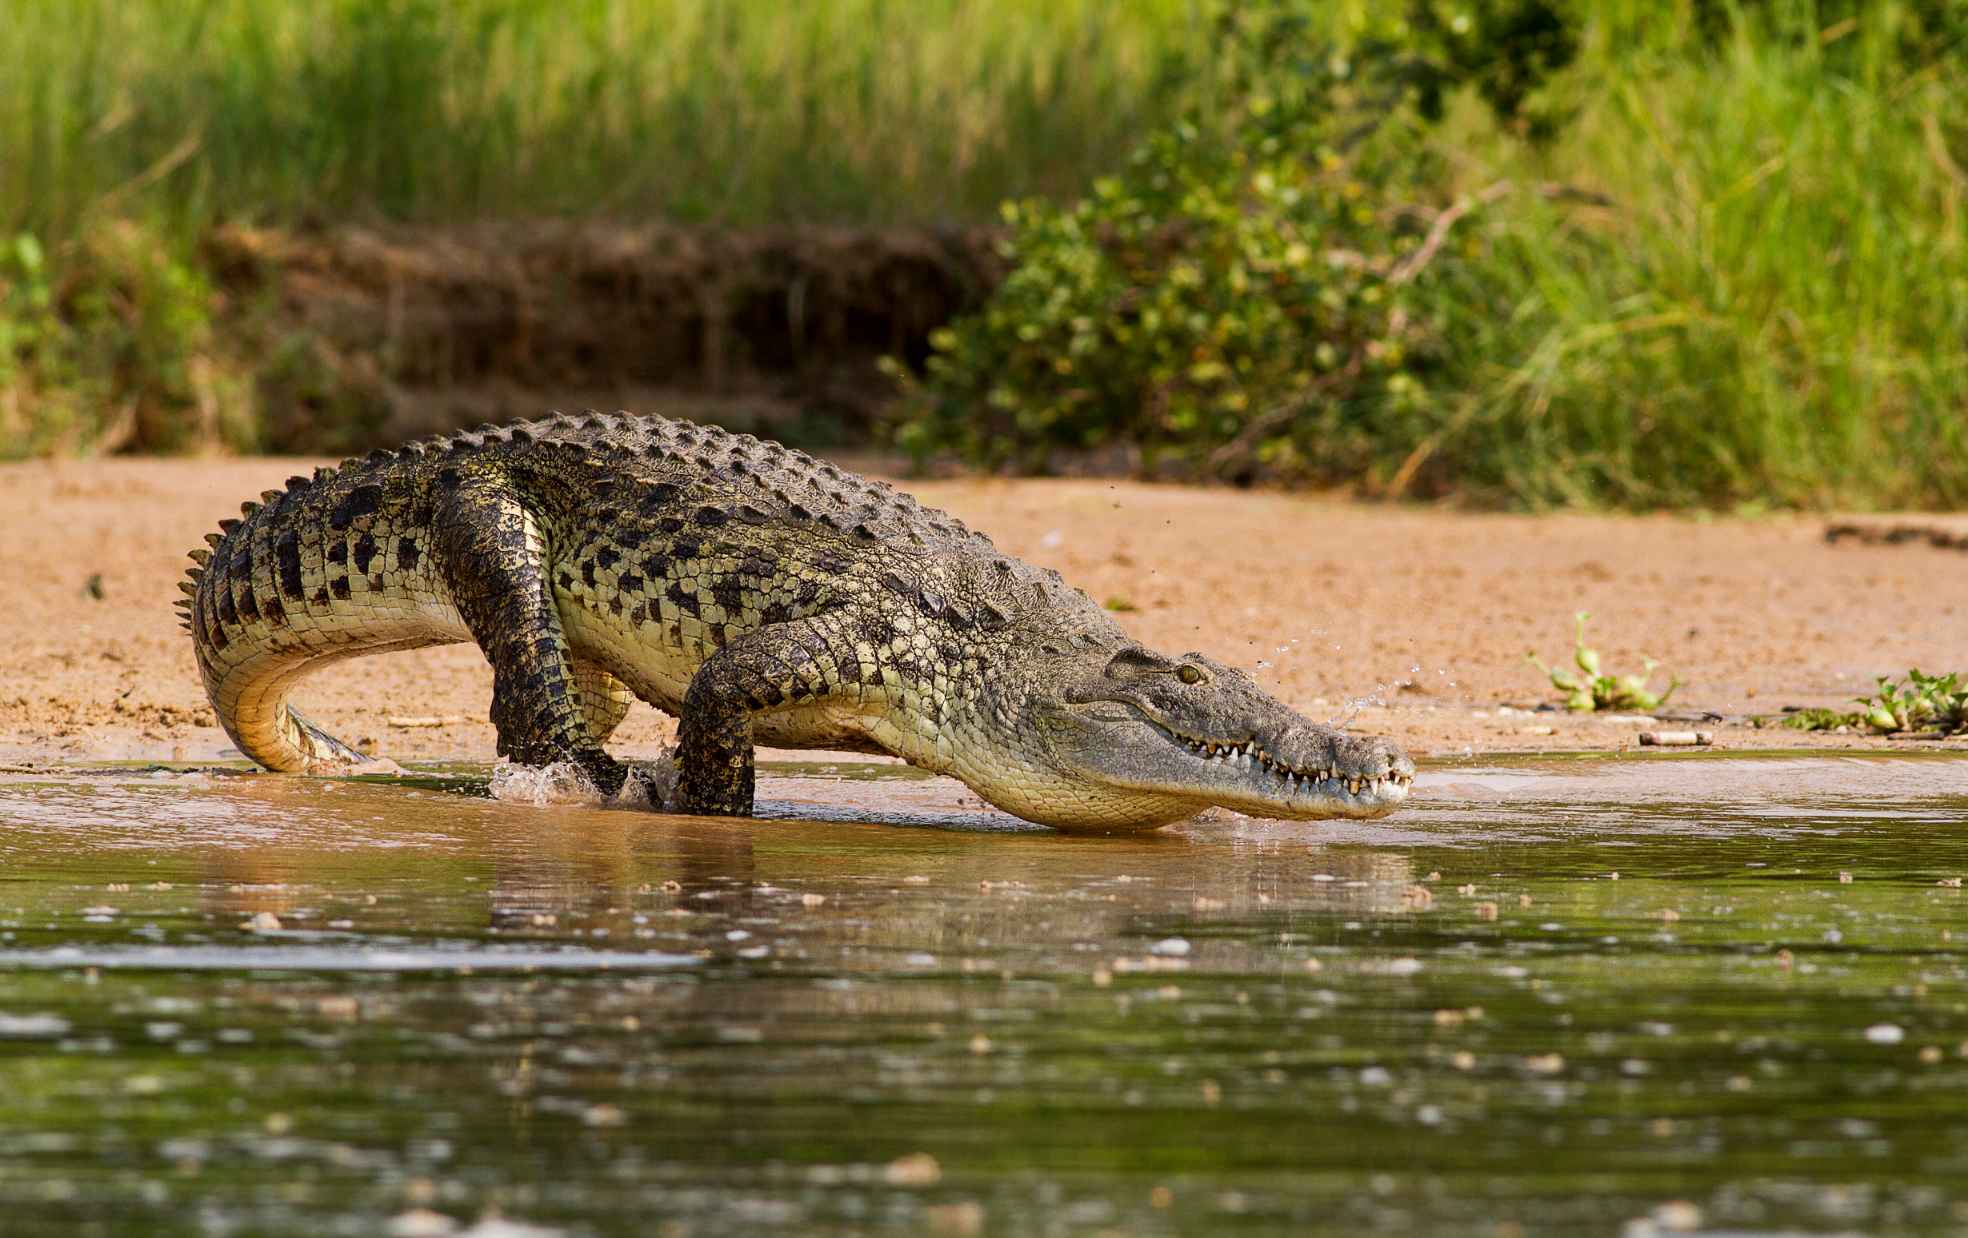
(1730, 277)
(1764, 310)
(725, 110)
(1769, 310)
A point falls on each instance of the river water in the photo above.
(1714, 993)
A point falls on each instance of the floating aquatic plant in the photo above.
(1922, 703)
(1591, 689)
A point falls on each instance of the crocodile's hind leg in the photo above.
(782, 665)
(492, 556)
(604, 700)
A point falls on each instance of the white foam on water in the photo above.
(354, 956)
(539, 786)
(651, 785)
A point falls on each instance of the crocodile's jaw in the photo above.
(1124, 743)
(1328, 773)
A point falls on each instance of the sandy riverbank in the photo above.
(1424, 613)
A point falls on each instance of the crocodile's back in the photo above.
(663, 541)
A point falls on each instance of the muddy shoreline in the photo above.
(1412, 621)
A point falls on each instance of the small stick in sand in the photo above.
(1676, 739)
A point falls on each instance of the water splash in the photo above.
(540, 786)
(651, 785)
(1376, 696)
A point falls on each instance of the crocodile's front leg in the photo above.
(493, 560)
(781, 666)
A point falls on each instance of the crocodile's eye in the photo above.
(1190, 674)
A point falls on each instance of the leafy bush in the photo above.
(1727, 278)
(117, 354)
(1243, 299)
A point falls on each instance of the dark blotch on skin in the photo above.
(287, 555)
(359, 502)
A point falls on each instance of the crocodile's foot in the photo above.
(649, 784)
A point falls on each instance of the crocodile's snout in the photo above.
(1303, 769)
(1308, 755)
(1169, 736)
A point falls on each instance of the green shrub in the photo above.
(117, 354)
(1241, 300)
(1729, 277)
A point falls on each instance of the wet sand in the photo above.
(1412, 620)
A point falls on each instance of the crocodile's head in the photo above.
(1130, 738)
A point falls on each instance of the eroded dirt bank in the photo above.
(1428, 613)
(381, 334)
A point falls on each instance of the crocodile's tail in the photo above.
(335, 566)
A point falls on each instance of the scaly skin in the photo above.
(759, 595)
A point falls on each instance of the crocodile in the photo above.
(760, 596)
